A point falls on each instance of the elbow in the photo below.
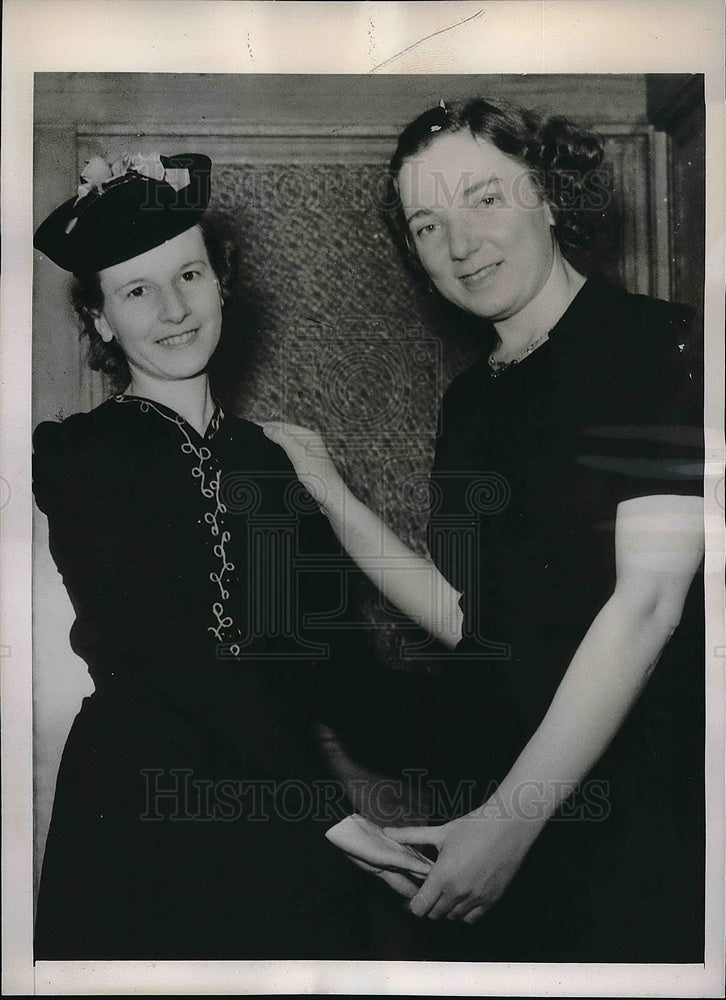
(666, 616)
(658, 612)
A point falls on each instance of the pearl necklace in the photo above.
(497, 367)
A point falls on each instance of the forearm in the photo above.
(409, 581)
(602, 683)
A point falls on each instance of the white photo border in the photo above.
(208, 36)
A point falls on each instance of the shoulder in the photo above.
(662, 325)
(657, 343)
(639, 368)
(80, 431)
(633, 321)
(249, 440)
(71, 455)
(260, 478)
(640, 346)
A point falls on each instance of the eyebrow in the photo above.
(419, 212)
(140, 281)
(467, 192)
(478, 185)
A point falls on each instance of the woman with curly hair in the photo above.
(574, 766)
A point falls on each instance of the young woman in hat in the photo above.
(583, 417)
(190, 806)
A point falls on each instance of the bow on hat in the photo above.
(124, 208)
(98, 175)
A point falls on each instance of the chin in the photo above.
(186, 367)
(186, 374)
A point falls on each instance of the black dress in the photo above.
(191, 804)
(530, 467)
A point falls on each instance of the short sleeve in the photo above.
(647, 439)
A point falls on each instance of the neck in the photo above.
(190, 398)
(543, 312)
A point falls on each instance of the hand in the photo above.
(479, 855)
(313, 465)
(366, 845)
(401, 883)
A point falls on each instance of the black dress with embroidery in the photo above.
(530, 467)
(191, 805)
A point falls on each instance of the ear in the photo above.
(549, 214)
(103, 328)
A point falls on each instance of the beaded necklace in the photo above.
(497, 367)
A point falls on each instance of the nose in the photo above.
(173, 307)
(463, 239)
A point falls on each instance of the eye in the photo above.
(489, 200)
(430, 227)
(136, 292)
(190, 275)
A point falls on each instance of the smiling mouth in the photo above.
(178, 339)
(481, 275)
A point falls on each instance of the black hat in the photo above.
(124, 209)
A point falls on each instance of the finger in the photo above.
(426, 897)
(415, 834)
(399, 883)
(443, 906)
(409, 864)
(280, 432)
(276, 432)
(475, 914)
(363, 864)
(415, 878)
(286, 429)
(462, 909)
(297, 429)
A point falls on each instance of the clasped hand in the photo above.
(478, 856)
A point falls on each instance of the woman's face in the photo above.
(478, 224)
(164, 308)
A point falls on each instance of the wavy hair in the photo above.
(563, 159)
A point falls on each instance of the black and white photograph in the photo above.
(373, 452)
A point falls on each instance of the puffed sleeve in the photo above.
(131, 632)
(109, 540)
(102, 534)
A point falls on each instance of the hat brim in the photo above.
(126, 220)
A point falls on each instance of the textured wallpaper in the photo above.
(330, 330)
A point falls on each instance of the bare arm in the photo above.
(409, 581)
(659, 545)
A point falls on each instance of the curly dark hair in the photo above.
(563, 158)
(87, 297)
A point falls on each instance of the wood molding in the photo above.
(312, 142)
(671, 110)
